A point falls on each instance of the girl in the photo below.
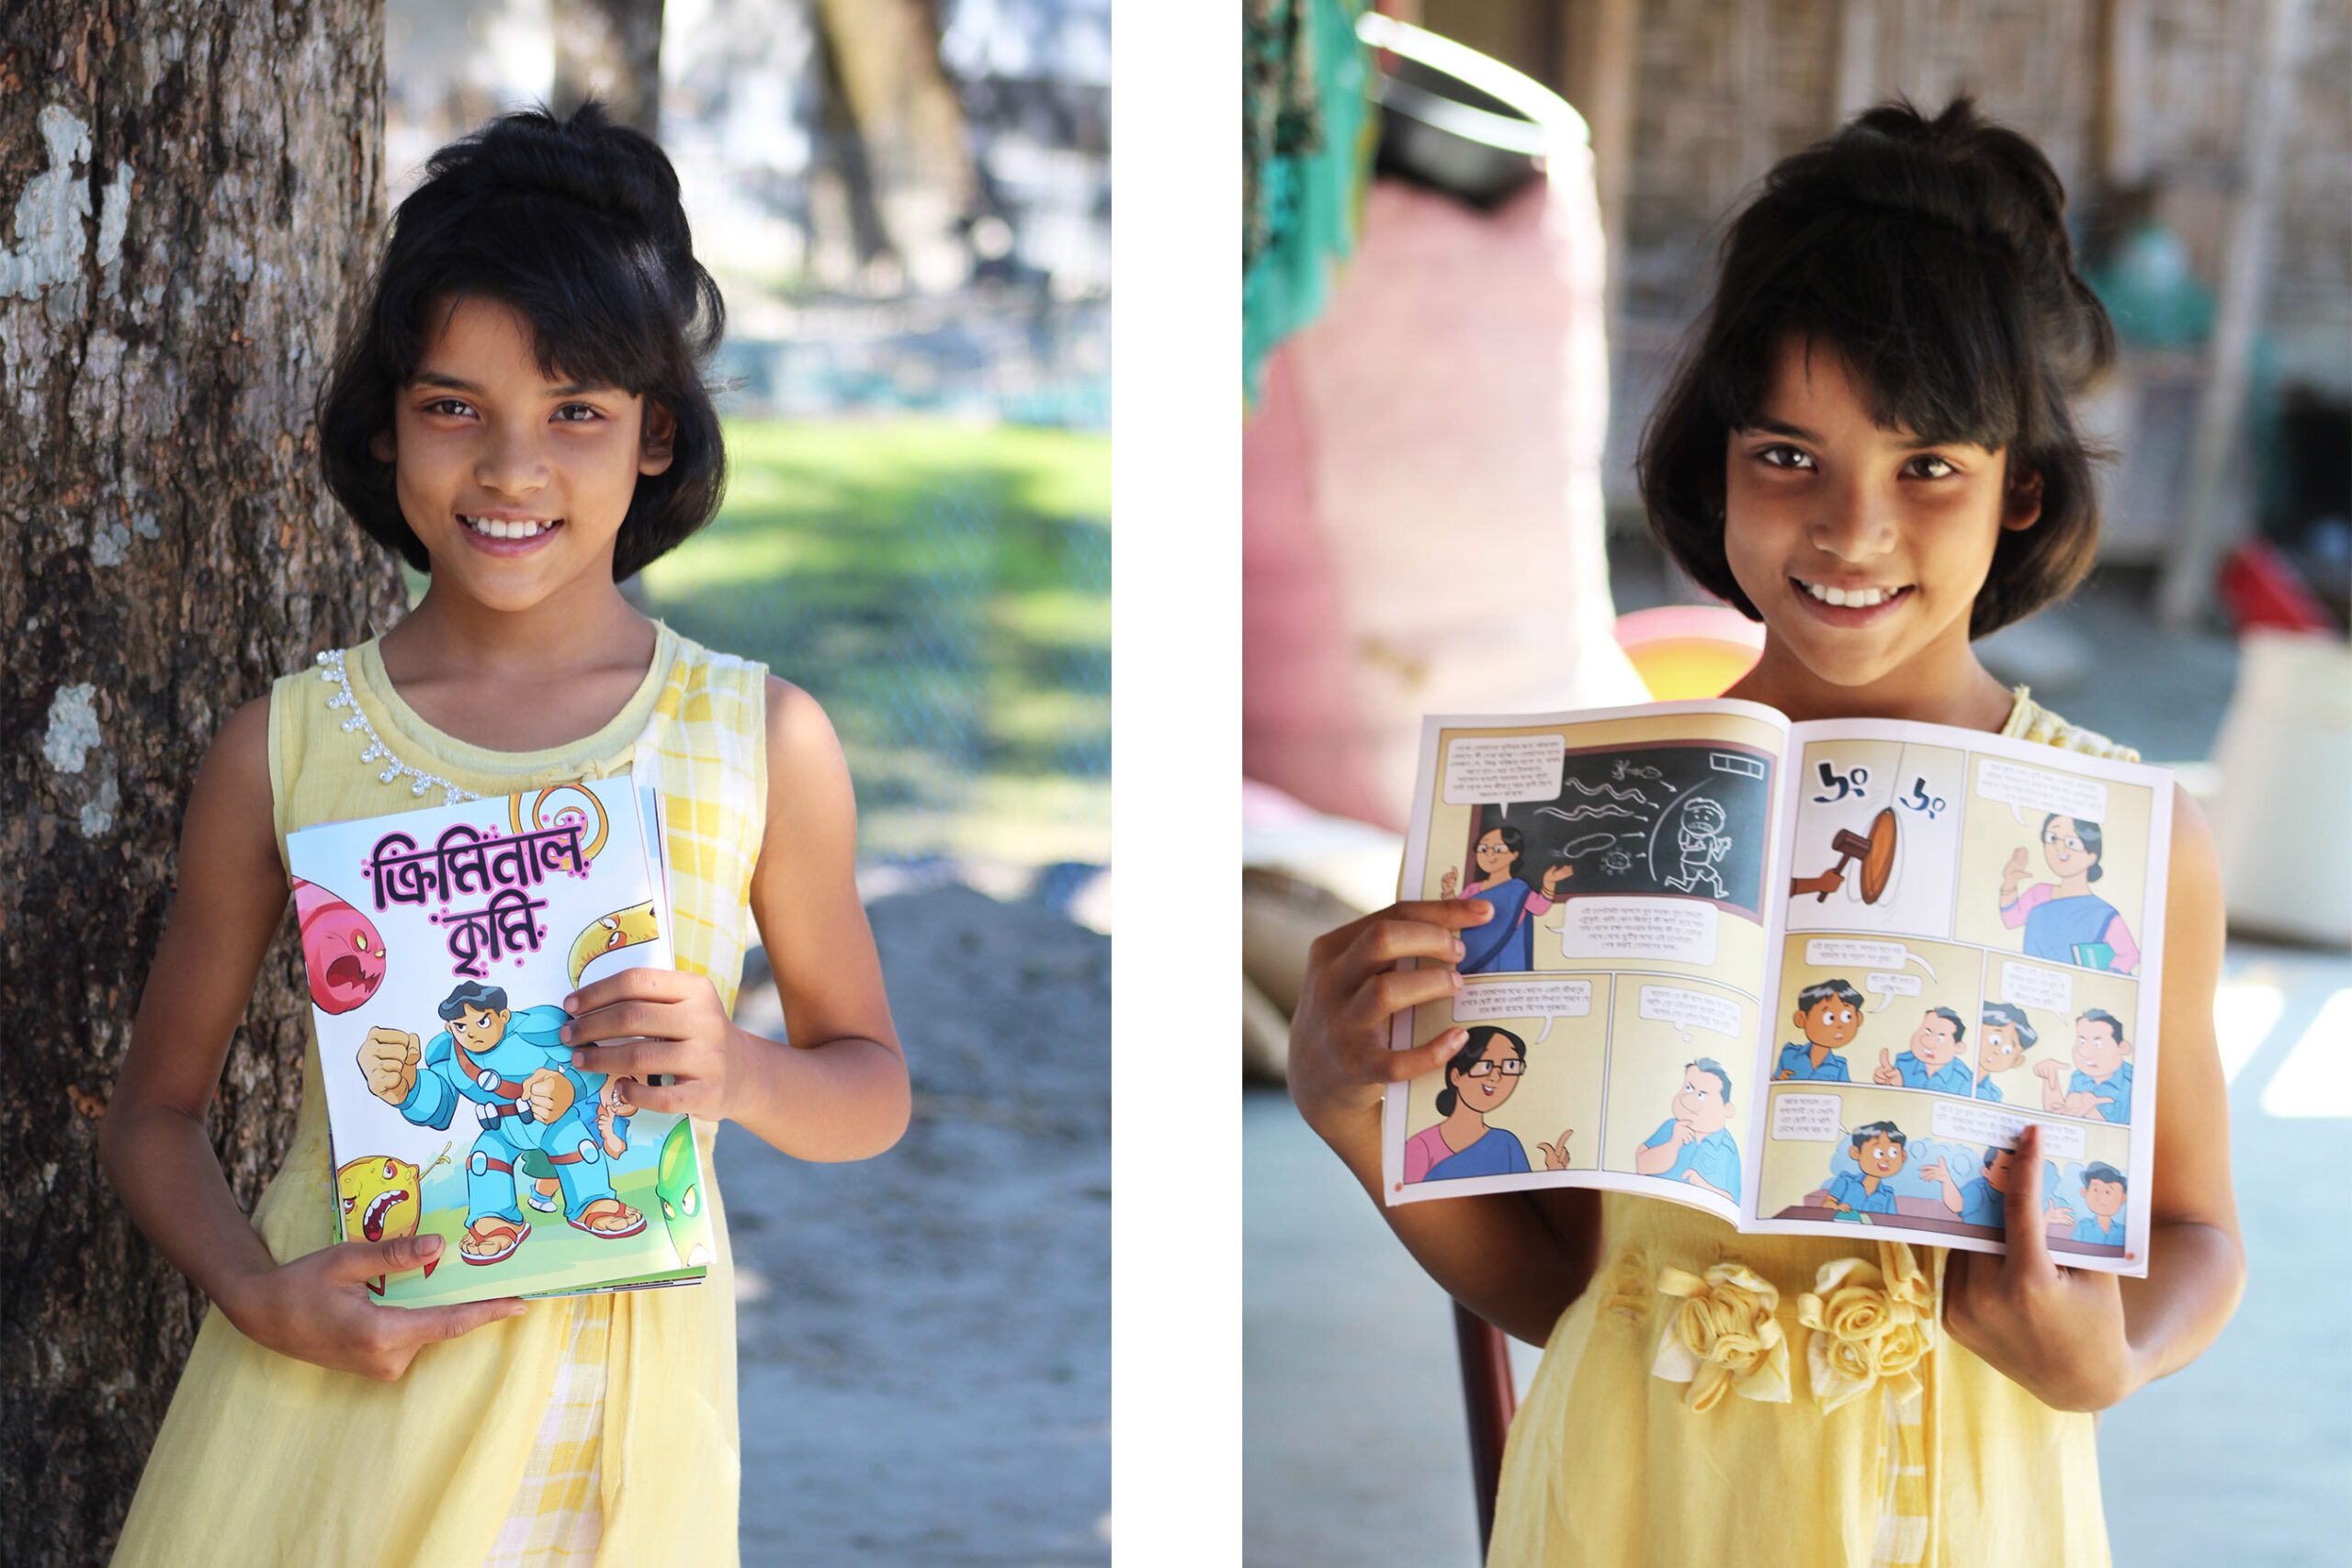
(2065, 922)
(1505, 940)
(519, 412)
(1870, 450)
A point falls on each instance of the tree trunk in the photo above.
(885, 55)
(196, 192)
(610, 50)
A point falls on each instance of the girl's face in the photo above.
(517, 484)
(1863, 548)
(1494, 857)
(1490, 1080)
(2062, 846)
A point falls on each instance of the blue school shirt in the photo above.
(1796, 1062)
(2119, 1086)
(1715, 1158)
(1980, 1204)
(1952, 1077)
(1987, 1089)
(1847, 1188)
(2087, 1229)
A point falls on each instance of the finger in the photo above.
(2029, 1238)
(631, 1019)
(1883, 1059)
(648, 985)
(669, 1099)
(447, 1323)
(636, 1060)
(1397, 1066)
(1387, 994)
(1454, 914)
(356, 1260)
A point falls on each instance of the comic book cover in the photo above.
(1800, 976)
(440, 945)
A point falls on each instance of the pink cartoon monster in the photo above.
(341, 948)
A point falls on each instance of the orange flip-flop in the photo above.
(605, 1236)
(515, 1239)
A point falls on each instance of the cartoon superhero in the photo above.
(676, 1183)
(383, 1196)
(606, 933)
(341, 949)
(515, 1071)
(612, 1130)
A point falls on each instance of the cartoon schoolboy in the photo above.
(2101, 1086)
(1878, 1151)
(516, 1073)
(2001, 1044)
(1830, 1014)
(2104, 1189)
(1980, 1201)
(612, 1130)
(1933, 1061)
(1692, 1144)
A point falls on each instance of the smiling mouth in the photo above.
(1851, 598)
(503, 528)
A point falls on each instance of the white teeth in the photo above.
(1859, 598)
(496, 529)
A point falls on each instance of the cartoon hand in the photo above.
(1446, 884)
(2047, 1072)
(1935, 1172)
(1555, 1157)
(1842, 1208)
(1784, 1075)
(1685, 1133)
(2058, 1213)
(549, 1093)
(1553, 878)
(1885, 1072)
(2011, 875)
(388, 1059)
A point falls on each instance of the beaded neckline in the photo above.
(331, 669)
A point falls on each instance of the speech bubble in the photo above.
(2030, 985)
(1640, 928)
(1811, 1118)
(2021, 788)
(1523, 998)
(1891, 987)
(1975, 1122)
(1691, 1009)
(1838, 952)
(1496, 769)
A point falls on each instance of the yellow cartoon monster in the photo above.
(382, 1196)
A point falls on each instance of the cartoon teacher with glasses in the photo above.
(1478, 1078)
(2066, 922)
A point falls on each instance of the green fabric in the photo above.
(1308, 135)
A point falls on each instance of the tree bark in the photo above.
(610, 50)
(885, 57)
(196, 193)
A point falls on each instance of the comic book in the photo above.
(1795, 974)
(440, 945)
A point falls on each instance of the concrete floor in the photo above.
(1355, 1451)
(924, 1338)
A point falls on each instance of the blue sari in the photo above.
(1506, 943)
(2055, 930)
(1497, 1153)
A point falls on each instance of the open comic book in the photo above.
(440, 946)
(1796, 975)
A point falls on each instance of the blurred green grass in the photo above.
(944, 589)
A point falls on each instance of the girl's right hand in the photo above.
(317, 1309)
(1340, 1057)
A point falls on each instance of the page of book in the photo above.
(1969, 938)
(440, 945)
(1615, 997)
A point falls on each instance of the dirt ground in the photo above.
(925, 1338)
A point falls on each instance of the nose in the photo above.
(512, 463)
(1855, 521)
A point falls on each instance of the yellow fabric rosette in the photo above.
(1870, 1323)
(1722, 1338)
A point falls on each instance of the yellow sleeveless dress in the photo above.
(1933, 1458)
(595, 1429)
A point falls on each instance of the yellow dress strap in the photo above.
(2029, 720)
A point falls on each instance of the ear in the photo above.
(2021, 500)
(381, 445)
(659, 443)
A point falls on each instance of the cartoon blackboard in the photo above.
(1679, 820)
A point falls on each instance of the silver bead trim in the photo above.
(331, 669)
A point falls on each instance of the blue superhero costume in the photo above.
(491, 1081)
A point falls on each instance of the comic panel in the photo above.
(1639, 840)
(1872, 1010)
(1525, 1092)
(1878, 830)
(2058, 1041)
(1678, 1060)
(1842, 1153)
(2052, 866)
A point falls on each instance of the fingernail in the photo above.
(429, 1245)
(1483, 910)
(1456, 975)
(579, 1059)
(571, 1002)
(1458, 949)
(517, 1309)
(564, 1033)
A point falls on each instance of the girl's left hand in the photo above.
(672, 1023)
(2058, 1332)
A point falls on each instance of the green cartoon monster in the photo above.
(677, 1183)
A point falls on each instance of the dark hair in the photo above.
(1958, 1029)
(472, 994)
(1709, 1064)
(1513, 839)
(1472, 1049)
(1868, 1130)
(1999, 1014)
(2100, 1015)
(1932, 257)
(576, 224)
(1813, 997)
(1992, 1151)
(2091, 837)
(2100, 1170)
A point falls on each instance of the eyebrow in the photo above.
(457, 384)
(1798, 432)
